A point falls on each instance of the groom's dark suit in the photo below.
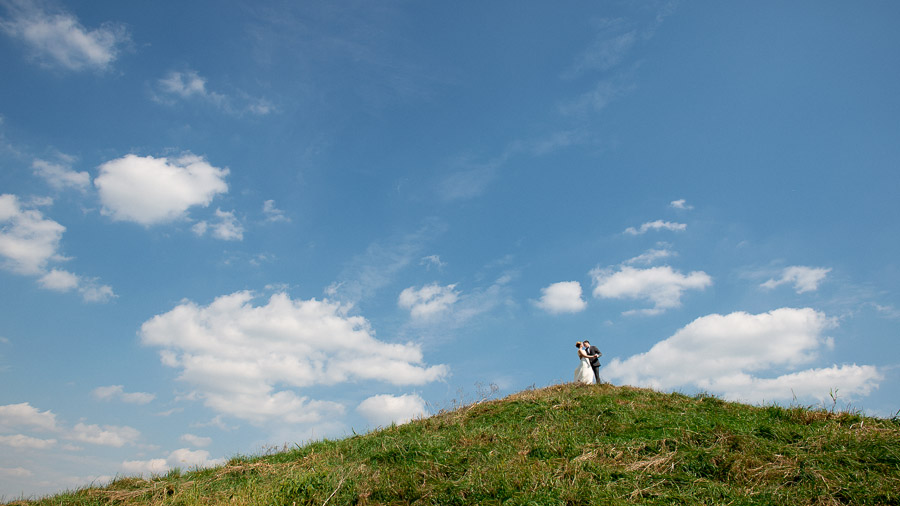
(595, 362)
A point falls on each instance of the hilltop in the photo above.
(564, 444)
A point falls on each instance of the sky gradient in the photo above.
(227, 226)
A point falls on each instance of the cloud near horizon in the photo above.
(236, 355)
(383, 410)
(747, 357)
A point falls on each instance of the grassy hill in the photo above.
(565, 444)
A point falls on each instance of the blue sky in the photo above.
(226, 226)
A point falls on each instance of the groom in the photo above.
(594, 353)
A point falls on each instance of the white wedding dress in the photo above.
(584, 373)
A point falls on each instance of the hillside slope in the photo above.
(565, 444)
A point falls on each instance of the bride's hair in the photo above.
(578, 344)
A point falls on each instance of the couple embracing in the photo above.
(588, 370)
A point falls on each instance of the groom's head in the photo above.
(587, 343)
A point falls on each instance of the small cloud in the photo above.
(650, 256)
(656, 225)
(189, 85)
(197, 441)
(680, 204)
(804, 279)
(562, 297)
(62, 281)
(107, 435)
(22, 441)
(117, 392)
(428, 301)
(383, 410)
(432, 260)
(60, 175)
(274, 214)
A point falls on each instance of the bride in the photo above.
(583, 373)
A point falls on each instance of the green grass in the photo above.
(565, 444)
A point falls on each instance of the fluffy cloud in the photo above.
(22, 441)
(60, 176)
(661, 285)
(118, 392)
(235, 354)
(187, 84)
(63, 281)
(804, 279)
(383, 410)
(59, 38)
(273, 214)
(562, 297)
(656, 225)
(199, 441)
(107, 435)
(182, 458)
(725, 354)
(680, 204)
(28, 241)
(428, 301)
(227, 229)
(24, 415)
(150, 190)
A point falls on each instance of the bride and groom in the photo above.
(588, 370)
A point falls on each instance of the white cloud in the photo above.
(117, 392)
(192, 459)
(661, 285)
(656, 225)
(198, 441)
(61, 176)
(28, 241)
(680, 204)
(805, 279)
(59, 37)
(562, 297)
(182, 458)
(24, 415)
(234, 355)
(150, 190)
(725, 354)
(650, 256)
(63, 281)
(16, 472)
(274, 214)
(189, 85)
(107, 435)
(59, 281)
(152, 467)
(227, 228)
(22, 441)
(430, 260)
(428, 301)
(383, 410)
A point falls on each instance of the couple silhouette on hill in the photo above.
(588, 370)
